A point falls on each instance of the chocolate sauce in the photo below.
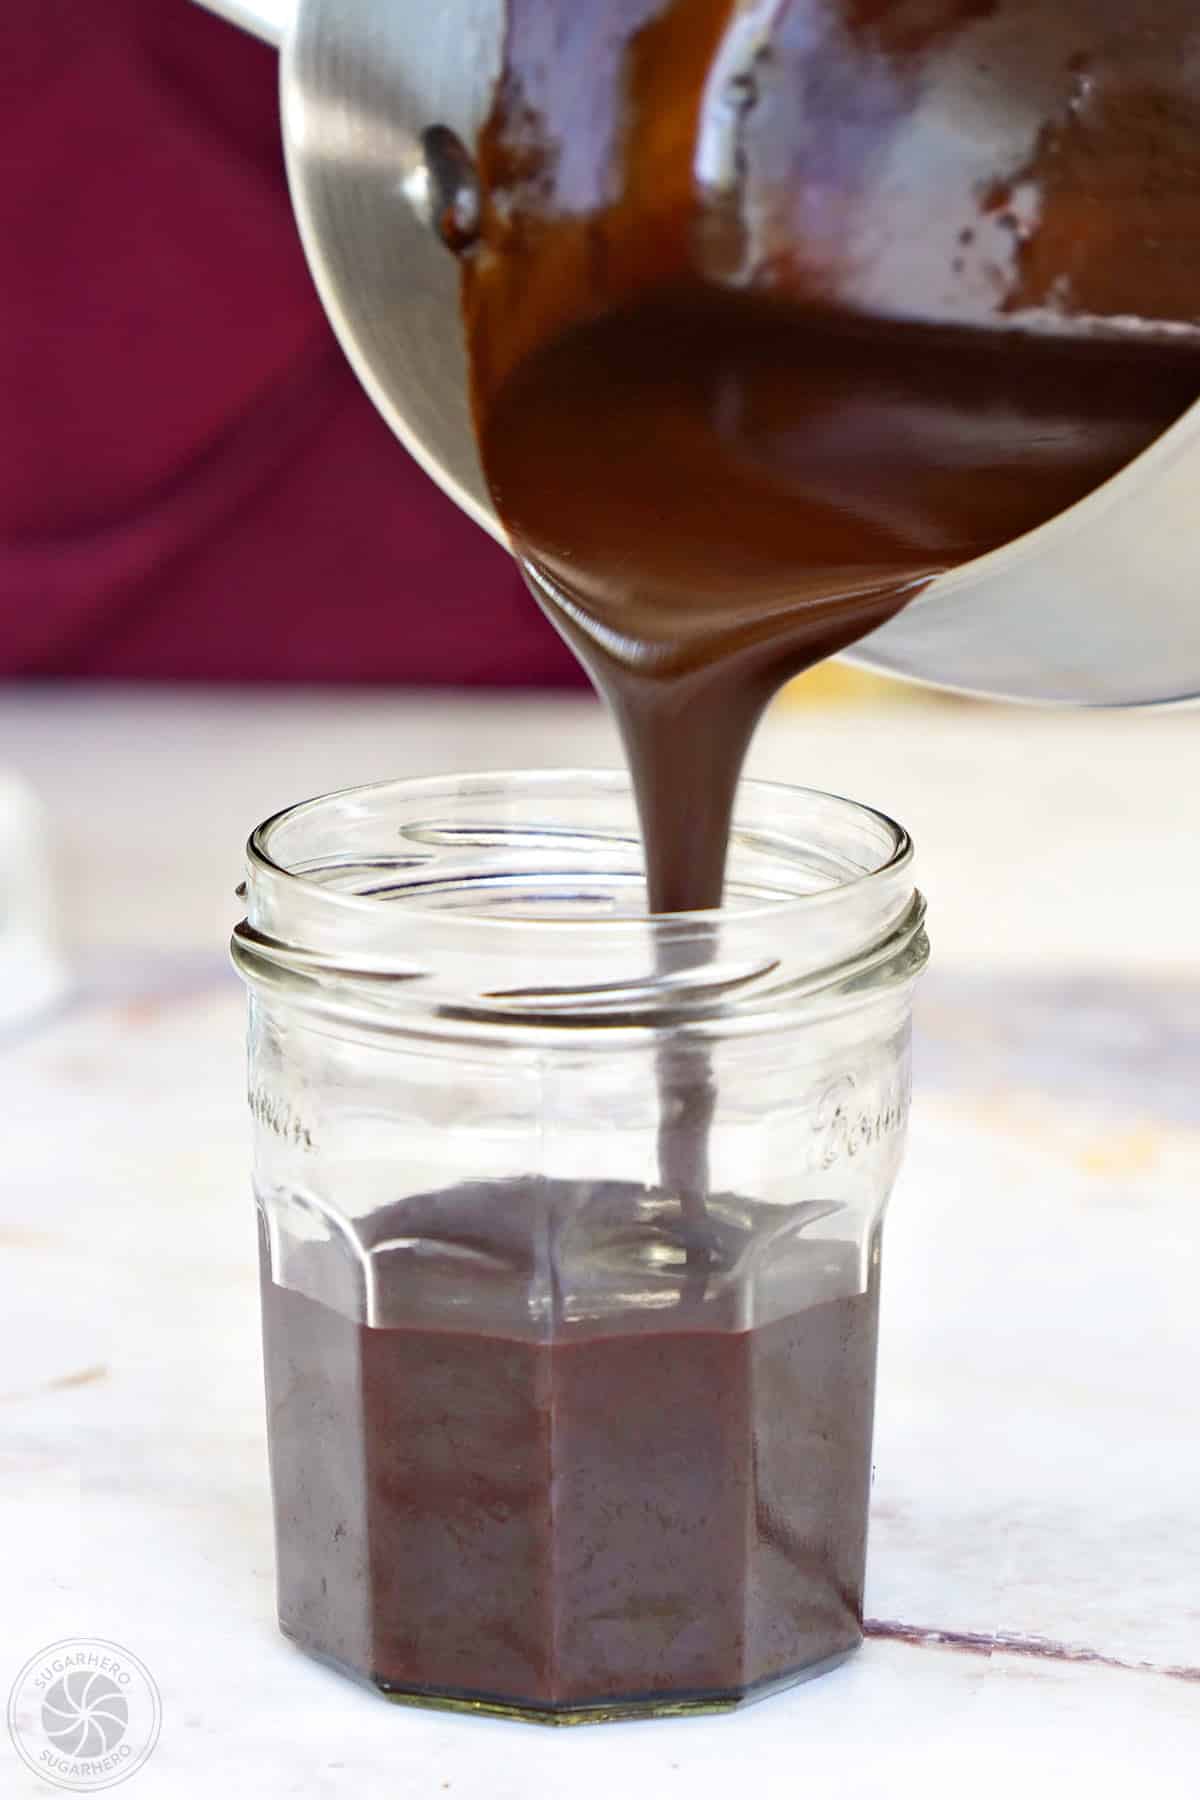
(710, 495)
(757, 353)
(666, 1508)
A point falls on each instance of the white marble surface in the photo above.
(1035, 1567)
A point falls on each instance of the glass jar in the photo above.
(570, 1228)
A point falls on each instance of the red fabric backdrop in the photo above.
(192, 484)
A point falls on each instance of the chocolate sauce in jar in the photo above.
(661, 1508)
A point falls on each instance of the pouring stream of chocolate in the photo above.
(782, 308)
(711, 486)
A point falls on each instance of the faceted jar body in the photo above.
(570, 1230)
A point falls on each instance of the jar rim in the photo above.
(841, 915)
(485, 783)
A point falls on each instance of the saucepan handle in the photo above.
(267, 19)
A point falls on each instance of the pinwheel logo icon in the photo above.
(84, 1714)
